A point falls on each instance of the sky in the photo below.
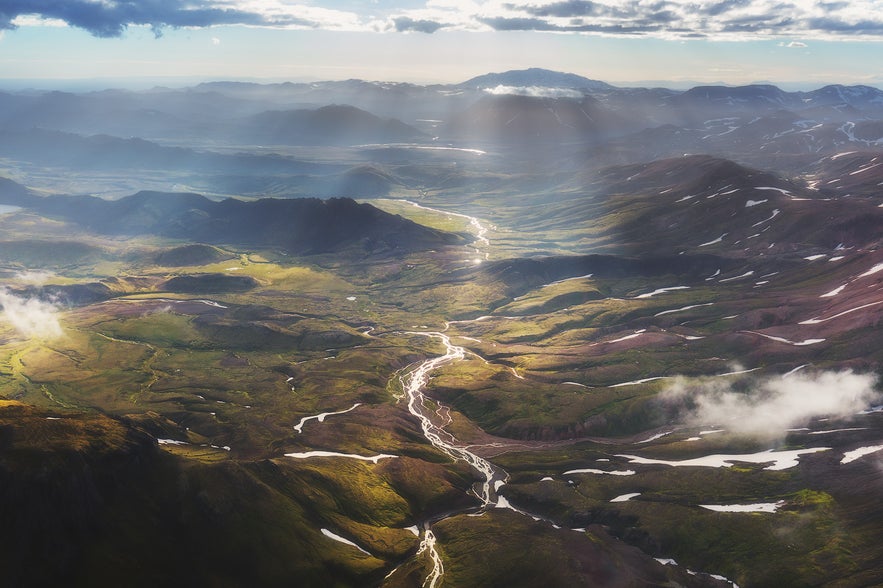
(795, 43)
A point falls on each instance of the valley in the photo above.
(442, 337)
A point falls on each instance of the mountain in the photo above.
(524, 120)
(305, 226)
(534, 77)
(105, 152)
(611, 336)
(329, 125)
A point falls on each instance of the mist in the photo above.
(34, 277)
(32, 318)
(773, 405)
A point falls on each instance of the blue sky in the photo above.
(804, 42)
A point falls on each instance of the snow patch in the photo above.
(309, 454)
(759, 507)
(851, 456)
(625, 497)
(780, 460)
(340, 539)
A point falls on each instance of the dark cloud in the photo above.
(537, 24)
(403, 23)
(723, 7)
(571, 8)
(864, 27)
(110, 19)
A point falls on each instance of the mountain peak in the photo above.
(534, 76)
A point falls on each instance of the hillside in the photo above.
(306, 226)
(532, 329)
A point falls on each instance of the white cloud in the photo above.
(771, 406)
(35, 20)
(285, 14)
(34, 278)
(535, 91)
(670, 19)
(216, 41)
(31, 317)
(793, 44)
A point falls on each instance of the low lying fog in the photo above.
(30, 317)
(772, 405)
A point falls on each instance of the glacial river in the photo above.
(413, 381)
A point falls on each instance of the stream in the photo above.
(413, 382)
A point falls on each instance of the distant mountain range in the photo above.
(354, 112)
(303, 226)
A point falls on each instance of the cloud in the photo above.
(535, 91)
(216, 41)
(34, 278)
(404, 23)
(770, 406)
(110, 18)
(792, 44)
(671, 19)
(31, 317)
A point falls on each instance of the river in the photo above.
(413, 381)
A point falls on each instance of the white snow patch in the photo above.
(780, 460)
(751, 203)
(817, 320)
(321, 417)
(662, 291)
(815, 257)
(839, 155)
(834, 292)
(794, 371)
(655, 437)
(872, 271)
(309, 454)
(595, 471)
(625, 497)
(759, 507)
(855, 454)
(781, 190)
(627, 337)
(787, 341)
(683, 308)
(747, 274)
(776, 212)
(636, 382)
(713, 241)
(340, 539)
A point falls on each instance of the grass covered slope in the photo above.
(275, 377)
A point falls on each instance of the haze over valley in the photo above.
(530, 328)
